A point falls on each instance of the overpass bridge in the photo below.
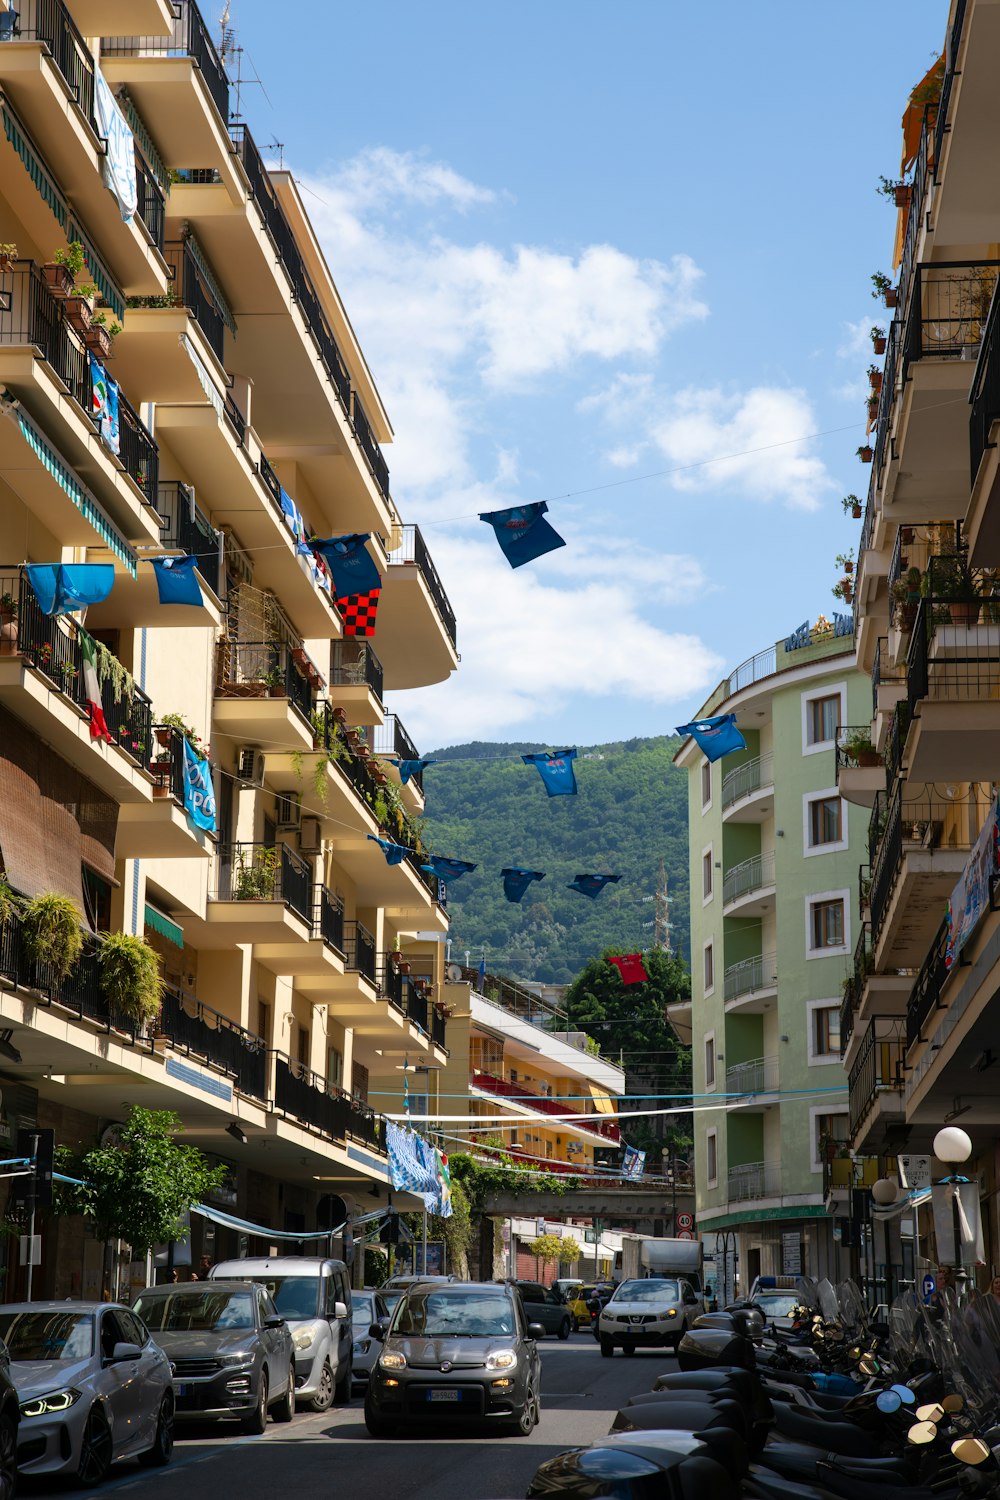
(609, 1204)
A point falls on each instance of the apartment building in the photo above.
(920, 1019)
(774, 870)
(247, 423)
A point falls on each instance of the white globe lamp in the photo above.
(952, 1145)
(885, 1191)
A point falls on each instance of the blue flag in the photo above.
(110, 424)
(60, 588)
(716, 737)
(394, 853)
(352, 566)
(199, 795)
(591, 885)
(408, 768)
(175, 580)
(516, 881)
(447, 869)
(482, 973)
(633, 1162)
(555, 767)
(522, 533)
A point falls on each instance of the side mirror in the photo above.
(125, 1351)
(274, 1322)
(340, 1309)
(691, 1299)
(377, 1331)
(536, 1331)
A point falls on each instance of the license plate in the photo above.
(444, 1395)
(182, 1390)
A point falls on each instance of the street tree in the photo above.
(551, 1247)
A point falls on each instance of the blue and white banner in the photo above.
(175, 580)
(522, 532)
(394, 853)
(119, 161)
(199, 794)
(61, 588)
(350, 562)
(414, 1167)
(555, 767)
(715, 737)
(633, 1163)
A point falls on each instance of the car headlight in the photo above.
(503, 1359)
(303, 1337)
(245, 1358)
(390, 1359)
(43, 1406)
(671, 1312)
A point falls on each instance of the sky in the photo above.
(583, 245)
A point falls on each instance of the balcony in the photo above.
(920, 846)
(196, 1030)
(517, 1094)
(310, 1100)
(261, 696)
(391, 739)
(262, 894)
(748, 791)
(875, 1084)
(982, 522)
(749, 887)
(926, 996)
(854, 988)
(416, 623)
(860, 768)
(953, 685)
(329, 920)
(753, 1180)
(191, 288)
(187, 529)
(161, 829)
(752, 1085)
(356, 680)
(888, 677)
(752, 985)
(361, 950)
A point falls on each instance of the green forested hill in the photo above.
(631, 811)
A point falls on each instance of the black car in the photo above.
(460, 1352)
(547, 1306)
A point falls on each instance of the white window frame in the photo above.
(706, 805)
(810, 850)
(829, 691)
(708, 947)
(713, 1136)
(815, 1165)
(819, 1059)
(708, 1043)
(708, 851)
(814, 898)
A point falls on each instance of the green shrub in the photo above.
(130, 976)
(52, 933)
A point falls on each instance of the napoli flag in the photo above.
(175, 580)
(591, 885)
(516, 881)
(716, 737)
(633, 1162)
(61, 588)
(394, 853)
(447, 869)
(352, 566)
(555, 767)
(522, 532)
(408, 768)
(199, 796)
(630, 967)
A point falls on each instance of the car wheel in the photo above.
(285, 1409)
(564, 1329)
(607, 1347)
(163, 1443)
(528, 1419)
(95, 1449)
(378, 1426)
(256, 1421)
(8, 1456)
(344, 1386)
(323, 1399)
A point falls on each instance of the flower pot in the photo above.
(856, 512)
(8, 633)
(891, 297)
(161, 789)
(163, 735)
(875, 381)
(905, 616)
(905, 536)
(866, 454)
(964, 611)
(868, 757)
(848, 567)
(299, 656)
(98, 340)
(58, 279)
(78, 313)
(902, 196)
(879, 346)
(277, 690)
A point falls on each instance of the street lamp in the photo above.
(954, 1146)
(885, 1191)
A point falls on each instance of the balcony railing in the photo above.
(751, 875)
(370, 448)
(359, 945)
(188, 37)
(152, 208)
(948, 310)
(199, 1031)
(166, 762)
(887, 395)
(896, 828)
(925, 997)
(392, 739)
(187, 529)
(746, 779)
(757, 973)
(885, 675)
(546, 1104)
(985, 392)
(413, 549)
(956, 675)
(438, 1028)
(878, 1066)
(854, 987)
(754, 1179)
(259, 669)
(847, 755)
(353, 663)
(758, 1076)
(951, 54)
(310, 1099)
(918, 201)
(191, 291)
(329, 917)
(264, 872)
(50, 22)
(764, 664)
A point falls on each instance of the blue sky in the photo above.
(581, 244)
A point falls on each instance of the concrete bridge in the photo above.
(594, 1202)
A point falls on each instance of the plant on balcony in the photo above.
(8, 255)
(852, 506)
(52, 934)
(178, 722)
(857, 745)
(877, 336)
(110, 669)
(844, 589)
(875, 378)
(99, 336)
(845, 561)
(900, 192)
(866, 453)
(883, 289)
(10, 903)
(906, 592)
(130, 977)
(61, 271)
(954, 584)
(256, 875)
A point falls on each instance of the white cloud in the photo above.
(856, 342)
(378, 175)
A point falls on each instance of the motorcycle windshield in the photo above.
(961, 1339)
(905, 1325)
(827, 1299)
(853, 1313)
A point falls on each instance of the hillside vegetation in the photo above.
(631, 811)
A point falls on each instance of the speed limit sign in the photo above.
(685, 1234)
(685, 1221)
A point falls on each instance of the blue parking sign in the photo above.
(928, 1286)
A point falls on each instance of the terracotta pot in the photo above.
(78, 313)
(868, 757)
(161, 789)
(277, 690)
(299, 656)
(964, 611)
(905, 536)
(905, 616)
(163, 735)
(57, 279)
(866, 455)
(856, 512)
(879, 346)
(875, 380)
(8, 633)
(98, 340)
(848, 567)
(902, 196)
(891, 297)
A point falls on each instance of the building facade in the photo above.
(774, 870)
(230, 421)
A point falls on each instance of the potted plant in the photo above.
(98, 338)
(845, 561)
(852, 506)
(875, 378)
(8, 255)
(872, 406)
(906, 593)
(954, 583)
(80, 306)
(255, 876)
(883, 289)
(52, 934)
(857, 744)
(900, 192)
(8, 625)
(60, 273)
(844, 589)
(866, 453)
(274, 681)
(130, 977)
(877, 336)
(178, 722)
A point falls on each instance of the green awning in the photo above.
(77, 492)
(33, 166)
(159, 923)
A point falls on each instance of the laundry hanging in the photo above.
(199, 795)
(175, 580)
(394, 853)
(591, 885)
(522, 532)
(408, 768)
(555, 767)
(119, 152)
(92, 690)
(630, 967)
(516, 881)
(447, 869)
(358, 612)
(715, 737)
(351, 564)
(61, 588)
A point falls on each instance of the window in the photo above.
(827, 924)
(830, 1134)
(706, 875)
(825, 820)
(709, 956)
(710, 1060)
(706, 784)
(824, 1031)
(824, 718)
(712, 1159)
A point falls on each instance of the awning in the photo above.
(77, 491)
(47, 189)
(602, 1103)
(926, 93)
(158, 922)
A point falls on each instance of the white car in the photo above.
(648, 1314)
(92, 1388)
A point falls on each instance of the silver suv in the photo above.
(648, 1313)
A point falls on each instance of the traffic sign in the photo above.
(685, 1221)
(685, 1234)
(928, 1286)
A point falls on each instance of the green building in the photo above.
(775, 855)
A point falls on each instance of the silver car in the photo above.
(367, 1307)
(92, 1386)
(648, 1314)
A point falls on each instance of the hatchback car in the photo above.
(463, 1352)
(231, 1350)
(649, 1314)
(92, 1385)
(547, 1306)
(368, 1307)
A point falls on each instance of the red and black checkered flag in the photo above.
(358, 611)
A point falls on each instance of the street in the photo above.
(580, 1394)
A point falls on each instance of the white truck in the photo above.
(642, 1255)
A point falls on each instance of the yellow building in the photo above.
(248, 421)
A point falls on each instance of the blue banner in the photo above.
(447, 869)
(516, 881)
(175, 580)
(394, 853)
(522, 533)
(110, 428)
(555, 767)
(408, 768)
(715, 737)
(633, 1162)
(592, 885)
(199, 795)
(61, 588)
(352, 566)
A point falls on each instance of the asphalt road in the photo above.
(315, 1455)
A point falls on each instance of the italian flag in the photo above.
(92, 690)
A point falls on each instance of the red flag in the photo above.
(358, 611)
(630, 968)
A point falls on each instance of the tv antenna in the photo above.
(231, 55)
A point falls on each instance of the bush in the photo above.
(52, 932)
(130, 976)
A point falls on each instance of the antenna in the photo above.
(663, 924)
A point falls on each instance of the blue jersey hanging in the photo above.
(522, 532)
(175, 580)
(716, 737)
(61, 588)
(350, 562)
(447, 869)
(591, 885)
(199, 796)
(394, 853)
(408, 768)
(555, 767)
(516, 881)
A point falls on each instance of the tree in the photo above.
(549, 1247)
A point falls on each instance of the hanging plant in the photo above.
(852, 506)
(110, 669)
(10, 903)
(130, 976)
(52, 932)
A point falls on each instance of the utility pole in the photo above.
(662, 923)
(32, 1197)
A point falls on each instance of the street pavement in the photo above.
(580, 1394)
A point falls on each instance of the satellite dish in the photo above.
(454, 972)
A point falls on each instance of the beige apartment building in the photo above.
(248, 422)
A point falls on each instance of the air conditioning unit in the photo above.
(288, 811)
(455, 973)
(310, 836)
(250, 766)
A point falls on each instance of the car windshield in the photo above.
(647, 1291)
(454, 1315)
(195, 1312)
(293, 1296)
(363, 1307)
(48, 1335)
(776, 1304)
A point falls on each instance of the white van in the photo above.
(313, 1295)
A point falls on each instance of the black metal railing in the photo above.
(750, 875)
(236, 419)
(918, 200)
(330, 919)
(392, 982)
(877, 1068)
(438, 1028)
(188, 37)
(746, 778)
(312, 1101)
(392, 739)
(413, 549)
(885, 849)
(854, 748)
(985, 392)
(962, 672)
(895, 747)
(925, 997)
(370, 448)
(885, 675)
(50, 22)
(951, 53)
(923, 823)
(137, 450)
(199, 1031)
(264, 872)
(359, 945)
(166, 764)
(187, 529)
(80, 991)
(417, 1006)
(354, 663)
(751, 975)
(257, 669)
(883, 420)
(192, 291)
(949, 309)
(152, 207)
(854, 987)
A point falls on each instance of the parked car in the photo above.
(546, 1306)
(649, 1313)
(230, 1348)
(313, 1295)
(566, 1285)
(92, 1387)
(368, 1307)
(463, 1351)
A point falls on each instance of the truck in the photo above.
(643, 1255)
